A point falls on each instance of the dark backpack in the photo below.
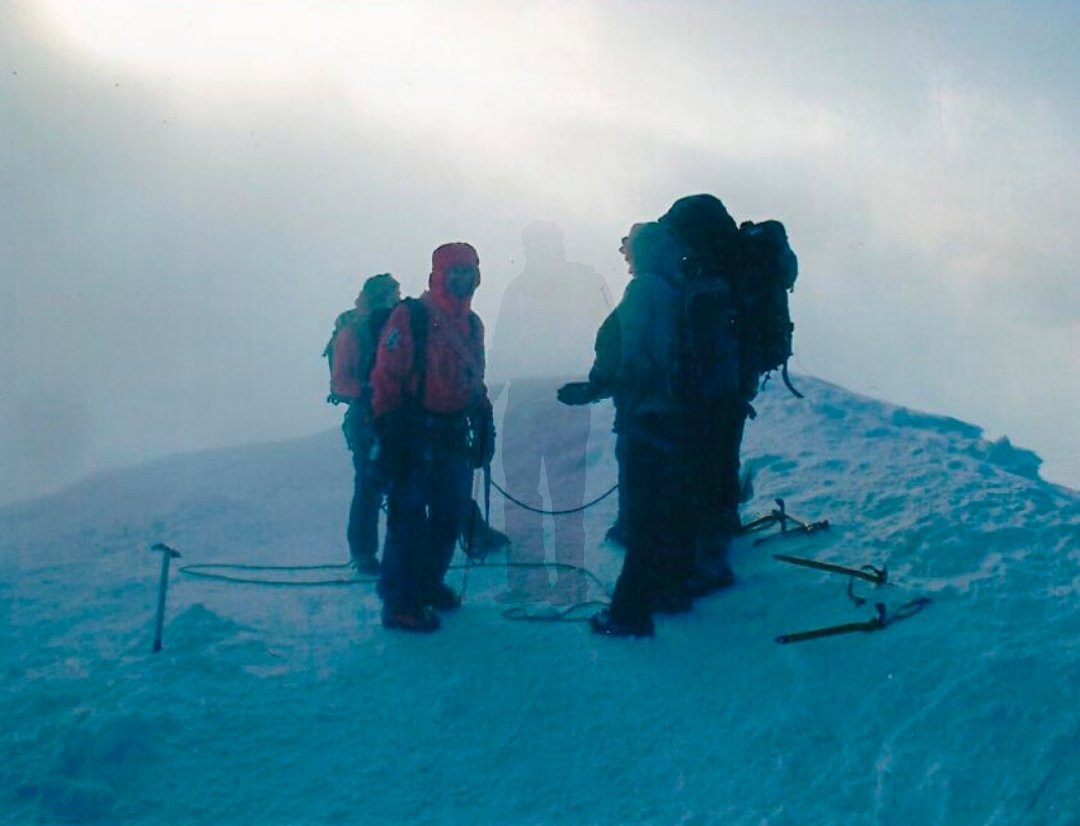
(764, 275)
(707, 358)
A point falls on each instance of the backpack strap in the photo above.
(418, 328)
(418, 317)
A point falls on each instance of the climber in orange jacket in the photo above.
(433, 418)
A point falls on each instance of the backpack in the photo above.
(366, 331)
(764, 275)
(707, 366)
(369, 335)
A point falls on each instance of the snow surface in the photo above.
(275, 705)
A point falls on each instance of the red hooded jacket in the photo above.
(454, 354)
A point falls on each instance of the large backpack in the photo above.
(707, 366)
(763, 277)
(368, 336)
(366, 331)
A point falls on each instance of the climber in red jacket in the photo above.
(434, 422)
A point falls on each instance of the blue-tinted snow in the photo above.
(292, 705)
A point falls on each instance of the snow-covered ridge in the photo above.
(292, 705)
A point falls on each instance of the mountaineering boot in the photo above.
(444, 598)
(604, 623)
(365, 564)
(421, 620)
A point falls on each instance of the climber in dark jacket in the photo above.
(708, 239)
(634, 357)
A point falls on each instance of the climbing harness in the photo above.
(789, 525)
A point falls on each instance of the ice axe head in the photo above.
(161, 546)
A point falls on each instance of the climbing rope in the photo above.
(528, 507)
(202, 571)
(205, 571)
(558, 566)
(520, 613)
(517, 613)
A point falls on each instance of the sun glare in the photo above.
(397, 55)
(198, 41)
(505, 80)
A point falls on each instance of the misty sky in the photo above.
(192, 191)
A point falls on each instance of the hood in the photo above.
(699, 221)
(445, 257)
(380, 292)
(651, 248)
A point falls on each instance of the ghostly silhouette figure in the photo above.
(544, 334)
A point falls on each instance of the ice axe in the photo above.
(167, 555)
(487, 493)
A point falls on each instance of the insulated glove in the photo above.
(576, 393)
(481, 436)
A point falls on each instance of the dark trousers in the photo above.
(660, 554)
(362, 532)
(427, 497)
(621, 519)
(717, 433)
(541, 436)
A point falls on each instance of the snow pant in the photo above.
(621, 519)
(362, 532)
(429, 492)
(716, 433)
(660, 554)
(541, 436)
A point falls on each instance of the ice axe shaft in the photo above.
(487, 493)
(878, 576)
(167, 555)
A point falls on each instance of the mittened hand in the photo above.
(576, 393)
(482, 436)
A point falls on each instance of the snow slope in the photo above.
(276, 705)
